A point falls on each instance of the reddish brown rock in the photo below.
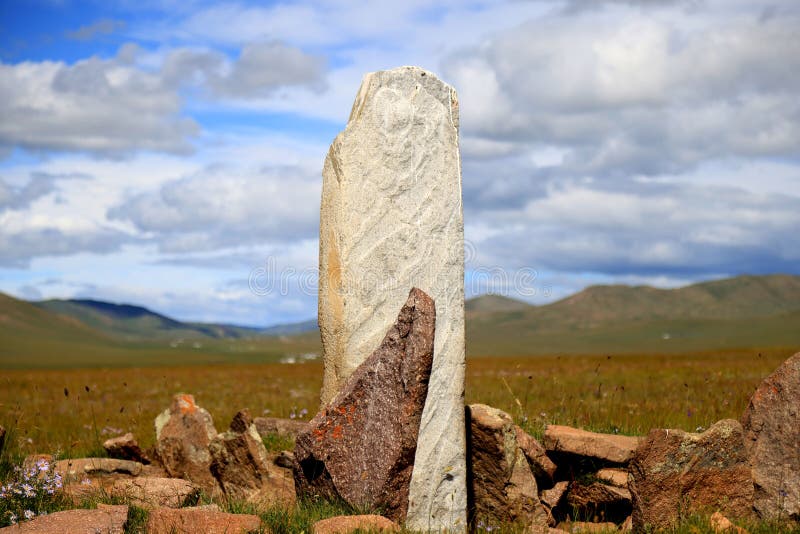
(361, 446)
(597, 500)
(552, 497)
(103, 520)
(581, 527)
(345, 524)
(676, 473)
(283, 427)
(771, 424)
(152, 492)
(242, 466)
(503, 486)
(608, 448)
(199, 519)
(183, 433)
(613, 477)
(543, 467)
(125, 447)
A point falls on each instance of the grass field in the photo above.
(71, 411)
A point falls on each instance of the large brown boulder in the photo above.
(771, 424)
(361, 446)
(183, 434)
(199, 519)
(242, 466)
(606, 448)
(503, 486)
(104, 519)
(676, 473)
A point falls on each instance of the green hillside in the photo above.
(32, 336)
(745, 311)
(741, 312)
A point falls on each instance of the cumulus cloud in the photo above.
(648, 228)
(227, 206)
(636, 92)
(114, 106)
(18, 248)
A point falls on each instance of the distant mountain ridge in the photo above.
(740, 312)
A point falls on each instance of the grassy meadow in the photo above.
(71, 411)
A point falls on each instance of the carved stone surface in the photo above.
(391, 219)
(772, 436)
(360, 447)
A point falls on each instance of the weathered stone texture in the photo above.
(346, 524)
(608, 448)
(183, 433)
(361, 446)
(772, 436)
(103, 520)
(675, 473)
(199, 519)
(391, 219)
(152, 492)
(242, 466)
(543, 467)
(125, 447)
(503, 486)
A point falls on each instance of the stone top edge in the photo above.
(448, 96)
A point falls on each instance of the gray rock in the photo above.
(391, 219)
(771, 424)
(276, 425)
(360, 447)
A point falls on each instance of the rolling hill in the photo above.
(740, 312)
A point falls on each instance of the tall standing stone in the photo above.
(391, 219)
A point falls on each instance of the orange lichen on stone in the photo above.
(337, 432)
(186, 404)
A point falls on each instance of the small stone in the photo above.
(771, 424)
(151, 492)
(627, 525)
(503, 485)
(543, 467)
(183, 433)
(610, 448)
(79, 468)
(284, 459)
(242, 466)
(675, 473)
(125, 447)
(720, 523)
(105, 519)
(282, 427)
(614, 477)
(599, 500)
(360, 447)
(345, 524)
(199, 519)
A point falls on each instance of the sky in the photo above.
(168, 153)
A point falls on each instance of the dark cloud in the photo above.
(18, 248)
